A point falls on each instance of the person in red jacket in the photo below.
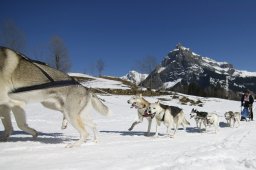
(247, 102)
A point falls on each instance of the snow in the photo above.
(161, 69)
(102, 83)
(216, 66)
(195, 54)
(170, 84)
(209, 60)
(210, 63)
(105, 84)
(229, 149)
(135, 77)
(243, 73)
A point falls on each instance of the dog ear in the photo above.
(158, 102)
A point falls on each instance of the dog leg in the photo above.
(77, 122)
(238, 123)
(175, 129)
(197, 123)
(134, 124)
(200, 126)
(205, 125)
(92, 125)
(156, 133)
(149, 126)
(216, 128)
(233, 123)
(20, 118)
(64, 123)
(8, 129)
(167, 130)
(95, 133)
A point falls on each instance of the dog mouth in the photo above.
(148, 114)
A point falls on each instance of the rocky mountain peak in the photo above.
(184, 67)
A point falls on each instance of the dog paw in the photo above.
(3, 139)
(35, 135)
(147, 134)
(171, 136)
(64, 126)
(96, 141)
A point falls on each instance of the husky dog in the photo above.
(171, 116)
(199, 117)
(208, 119)
(141, 105)
(23, 81)
(233, 118)
(212, 119)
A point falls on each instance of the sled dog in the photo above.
(24, 81)
(199, 117)
(141, 105)
(208, 119)
(171, 116)
(233, 118)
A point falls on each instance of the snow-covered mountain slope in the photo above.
(96, 82)
(134, 77)
(182, 67)
(118, 148)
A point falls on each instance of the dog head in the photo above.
(228, 115)
(211, 118)
(154, 108)
(136, 101)
(193, 113)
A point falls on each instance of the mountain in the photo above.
(134, 77)
(185, 71)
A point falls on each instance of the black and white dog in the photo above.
(208, 119)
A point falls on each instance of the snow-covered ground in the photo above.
(230, 149)
(102, 83)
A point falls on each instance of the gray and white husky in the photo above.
(233, 118)
(171, 116)
(141, 104)
(24, 81)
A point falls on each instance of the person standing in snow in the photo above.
(247, 102)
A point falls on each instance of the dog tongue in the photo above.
(146, 114)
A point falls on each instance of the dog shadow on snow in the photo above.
(134, 133)
(196, 129)
(46, 138)
(129, 133)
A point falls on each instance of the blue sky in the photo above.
(121, 32)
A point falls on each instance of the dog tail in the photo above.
(99, 106)
(185, 122)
